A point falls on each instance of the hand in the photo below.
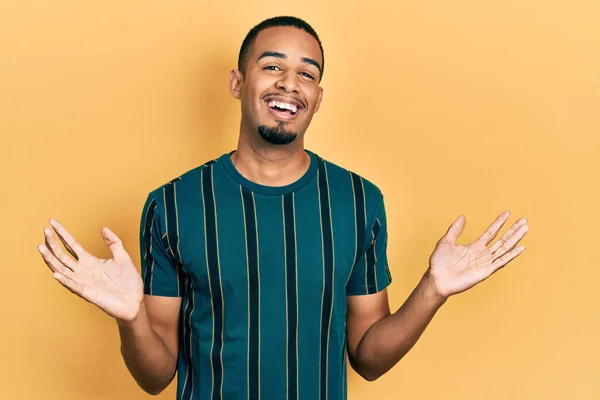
(113, 285)
(456, 268)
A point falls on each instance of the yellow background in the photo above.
(450, 107)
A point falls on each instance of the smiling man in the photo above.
(263, 269)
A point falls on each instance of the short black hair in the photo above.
(270, 23)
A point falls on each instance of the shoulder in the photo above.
(182, 183)
(337, 174)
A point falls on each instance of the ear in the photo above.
(235, 83)
(320, 98)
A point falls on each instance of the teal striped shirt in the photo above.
(263, 273)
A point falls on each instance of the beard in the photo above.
(277, 135)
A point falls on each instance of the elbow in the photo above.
(152, 387)
(369, 376)
(153, 390)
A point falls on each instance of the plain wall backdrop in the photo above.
(449, 107)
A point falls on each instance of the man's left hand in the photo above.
(456, 268)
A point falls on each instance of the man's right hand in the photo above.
(113, 285)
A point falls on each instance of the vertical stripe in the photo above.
(221, 291)
(387, 272)
(371, 257)
(248, 302)
(328, 270)
(188, 389)
(249, 209)
(332, 260)
(172, 241)
(291, 273)
(214, 277)
(171, 222)
(212, 342)
(360, 217)
(297, 314)
(177, 232)
(148, 226)
(376, 229)
(189, 350)
(287, 306)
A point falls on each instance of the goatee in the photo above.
(276, 135)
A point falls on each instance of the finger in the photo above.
(115, 245)
(52, 262)
(455, 229)
(493, 229)
(507, 234)
(512, 241)
(506, 258)
(65, 237)
(55, 248)
(74, 287)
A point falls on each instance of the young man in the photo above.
(263, 268)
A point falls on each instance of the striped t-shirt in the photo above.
(263, 273)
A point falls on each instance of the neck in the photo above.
(270, 165)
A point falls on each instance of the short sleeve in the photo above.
(371, 273)
(159, 270)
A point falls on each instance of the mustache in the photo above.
(269, 95)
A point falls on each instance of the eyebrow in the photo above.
(277, 54)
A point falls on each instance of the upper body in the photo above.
(264, 273)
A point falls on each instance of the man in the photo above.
(263, 268)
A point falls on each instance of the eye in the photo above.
(306, 74)
(272, 68)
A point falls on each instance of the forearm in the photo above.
(389, 339)
(146, 355)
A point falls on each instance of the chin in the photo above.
(279, 134)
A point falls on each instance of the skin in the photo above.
(377, 339)
(287, 78)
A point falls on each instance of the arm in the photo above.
(378, 340)
(150, 342)
(148, 325)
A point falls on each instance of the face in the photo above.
(280, 91)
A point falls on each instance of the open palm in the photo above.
(113, 285)
(456, 268)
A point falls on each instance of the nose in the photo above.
(288, 82)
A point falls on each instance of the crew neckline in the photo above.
(231, 170)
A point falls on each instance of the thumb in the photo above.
(115, 245)
(455, 229)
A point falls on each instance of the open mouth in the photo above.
(282, 107)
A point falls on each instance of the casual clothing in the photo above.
(263, 273)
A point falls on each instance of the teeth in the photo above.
(285, 106)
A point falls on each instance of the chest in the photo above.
(273, 246)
